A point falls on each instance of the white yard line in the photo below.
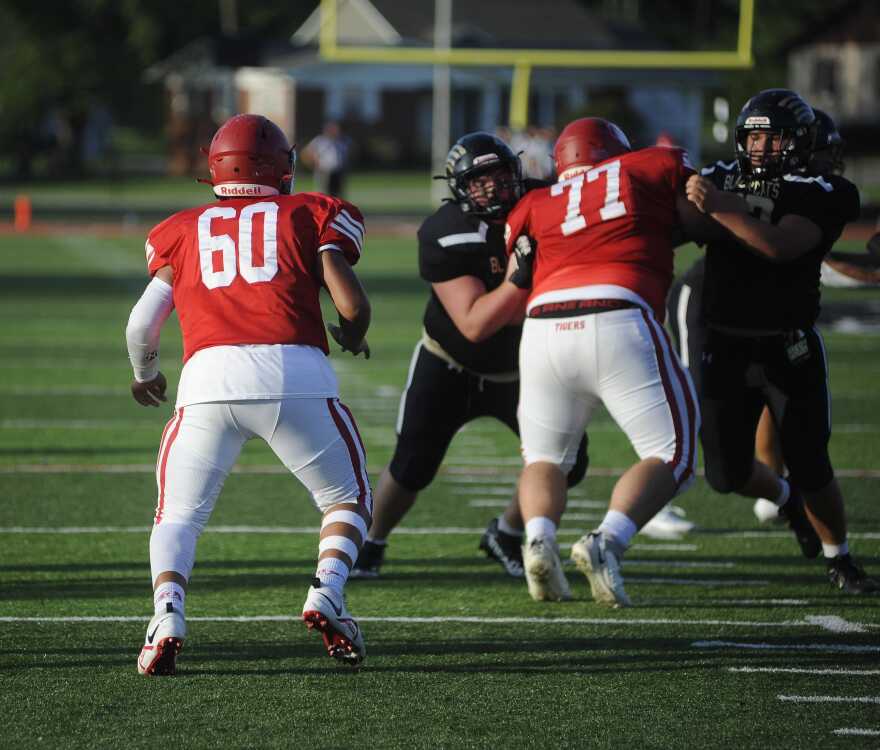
(373, 406)
(853, 732)
(782, 534)
(403, 530)
(611, 621)
(489, 502)
(489, 489)
(65, 390)
(767, 602)
(805, 670)
(699, 581)
(583, 517)
(822, 647)
(628, 563)
(458, 473)
(244, 529)
(78, 424)
(829, 698)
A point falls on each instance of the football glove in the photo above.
(524, 249)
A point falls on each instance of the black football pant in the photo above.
(740, 374)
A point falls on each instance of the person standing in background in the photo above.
(327, 155)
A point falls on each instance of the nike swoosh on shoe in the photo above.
(152, 635)
(337, 610)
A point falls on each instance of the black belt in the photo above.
(574, 307)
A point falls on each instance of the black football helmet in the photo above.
(828, 150)
(477, 154)
(782, 112)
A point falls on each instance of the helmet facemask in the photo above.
(782, 117)
(483, 175)
(489, 191)
(771, 161)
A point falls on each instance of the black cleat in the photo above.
(505, 548)
(796, 517)
(369, 561)
(845, 575)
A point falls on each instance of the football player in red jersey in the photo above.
(244, 274)
(593, 334)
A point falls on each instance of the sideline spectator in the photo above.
(328, 155)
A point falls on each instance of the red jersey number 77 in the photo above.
(575, 221)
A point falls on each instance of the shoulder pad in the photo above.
(447, 219)
(721, 166)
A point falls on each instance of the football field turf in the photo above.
(734, 639)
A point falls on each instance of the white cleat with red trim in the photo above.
(165, 636)
(325, 611)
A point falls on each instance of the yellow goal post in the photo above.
(523, 60)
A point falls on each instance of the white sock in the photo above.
(833, 550)
(332, 573)
(540, 526)
(784, 493)
(619, 528)
(506, 528)
(168, 593)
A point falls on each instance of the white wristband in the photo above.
(144, 326)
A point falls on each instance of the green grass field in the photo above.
(734, 640)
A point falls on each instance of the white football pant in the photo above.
(315, 438)
(621, 358)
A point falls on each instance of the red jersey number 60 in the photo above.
(223, 243)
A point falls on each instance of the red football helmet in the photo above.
(586, 142)
(250, 156)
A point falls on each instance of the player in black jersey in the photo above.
(760, 303)
(465, 365)
(839, 269)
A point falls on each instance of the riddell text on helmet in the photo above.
(244, 190)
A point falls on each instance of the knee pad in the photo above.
(813, 474)
(726, 479)
(413, 470)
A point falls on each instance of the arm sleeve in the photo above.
(343, 231)
(144, 326)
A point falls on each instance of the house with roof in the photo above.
(835, 66)
(387, 108)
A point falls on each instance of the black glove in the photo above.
(524, 249)
(874, 244)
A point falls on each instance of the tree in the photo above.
(62, 59)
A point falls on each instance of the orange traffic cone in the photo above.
(23, 213)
